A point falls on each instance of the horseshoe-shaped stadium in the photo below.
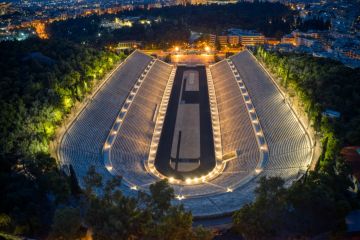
(211, 130)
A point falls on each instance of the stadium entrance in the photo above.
(186, 147)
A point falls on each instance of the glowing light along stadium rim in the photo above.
(220, 165)
(150, 163)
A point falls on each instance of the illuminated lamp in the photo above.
(180, 197)
(203, 178)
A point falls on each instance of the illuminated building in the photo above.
(233, 40)
(128, 45)
(223, 40)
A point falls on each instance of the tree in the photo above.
(161, 196)
(289, 213)
(5, 222)
(67, 224)
(264, 217)
(175, 225)
(111, 215)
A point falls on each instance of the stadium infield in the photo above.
(186, 105)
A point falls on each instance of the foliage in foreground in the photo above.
(314, 205)
(40, 82)
(112, 215)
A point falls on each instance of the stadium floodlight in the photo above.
(114, 132)
(258, 170)
(229, 190)
(134, 188)
(107, 146)
(109, 168)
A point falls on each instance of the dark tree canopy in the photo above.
(174, 24)
(113, 216)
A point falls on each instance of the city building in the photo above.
(212, 39)
(354, 54)
(4, 7)
(289, 39)
(246, 37)
(351, 155)
(223, 40)
(252, 39)
(128, 45)
(233, 40)
(272, 41)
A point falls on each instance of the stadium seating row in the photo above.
(131, 147)
(235, 124)
(283, 132)
(119, 121)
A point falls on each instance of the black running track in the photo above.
(207, 156)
